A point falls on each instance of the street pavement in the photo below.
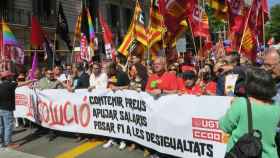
(63, 146)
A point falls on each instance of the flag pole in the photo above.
(72, 51)
(4, 66)
(150, 21)
(246, 24)
(200, 38)
(263, 29)
(163, 30)
(54, 52)
(2, 45)
(132, 25)
(224, 31)
(193, 38)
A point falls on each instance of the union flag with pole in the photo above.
(136, 33)
(198, 21)
(108, 38)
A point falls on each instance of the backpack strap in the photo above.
(249, 113)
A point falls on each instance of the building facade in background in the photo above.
(17, 13)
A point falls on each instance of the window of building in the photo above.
(115, 15)
(43, 7)
(4, 6)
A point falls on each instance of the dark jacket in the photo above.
(7, 95)
(83, 81)
(122, 79)
(239, 87)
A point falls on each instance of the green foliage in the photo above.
(273, 26)
(215, 24)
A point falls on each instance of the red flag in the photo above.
(238, 23)
(107, 33)
(237, 19)
(264, 7)
(175, 11)
(263, 17)
(36, 38)
(161, 7)
(236, 15)
(251, 36)
(199, 22)
(107, 37)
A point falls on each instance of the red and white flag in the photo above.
(107, 37)
(84, 48)
(199, 22)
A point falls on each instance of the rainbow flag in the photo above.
(91, 30)
(8, 36)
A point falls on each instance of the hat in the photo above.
(6, 74)
(187, 68)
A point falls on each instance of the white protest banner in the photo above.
(184, 126)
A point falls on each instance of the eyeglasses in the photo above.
(49, 73)
(270, 66)
(157, 64)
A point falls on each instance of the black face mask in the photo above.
(207, 76)
(189, 84)
(21, 79)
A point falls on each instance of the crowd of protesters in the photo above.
(222, 76)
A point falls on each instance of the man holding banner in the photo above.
(161, 81)
(7, 106)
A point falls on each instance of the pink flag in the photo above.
(84, 48)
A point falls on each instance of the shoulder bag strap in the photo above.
(249, 113)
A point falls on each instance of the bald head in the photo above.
(272, 61)
(273, 54)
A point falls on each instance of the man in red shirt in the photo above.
(161, 82)
(204, 85)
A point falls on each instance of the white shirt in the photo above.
(100, 81)
(62, 78)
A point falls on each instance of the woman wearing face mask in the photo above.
(21, 77)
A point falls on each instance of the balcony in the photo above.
(23, 17)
